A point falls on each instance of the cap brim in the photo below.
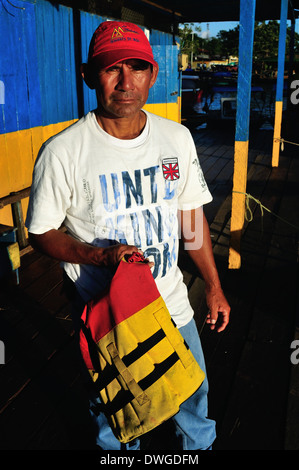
(110, 58)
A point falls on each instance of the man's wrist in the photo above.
(213, 285)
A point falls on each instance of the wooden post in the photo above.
(279, 82)
(18, 220)
(247, 16)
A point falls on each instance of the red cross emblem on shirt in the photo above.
(170, 168)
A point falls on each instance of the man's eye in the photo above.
(137, 68)
(140, 67)
(113, 69)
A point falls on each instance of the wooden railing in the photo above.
(14, 199)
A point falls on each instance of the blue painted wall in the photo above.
(40, 52)
(18, 60)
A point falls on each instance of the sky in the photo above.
(214, 28)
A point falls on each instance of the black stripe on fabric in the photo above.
(143, 347)
(158, 371)
(110, 372)
(125, 396)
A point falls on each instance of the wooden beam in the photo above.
(247, 17)
(160, 7)
(279, 83)
(14, 197)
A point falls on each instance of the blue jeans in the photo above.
(192, 427)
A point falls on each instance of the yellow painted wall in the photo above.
(18, 151)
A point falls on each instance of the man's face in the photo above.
(122, 89)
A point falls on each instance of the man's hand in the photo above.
(219, 309)
(63, 247)
(112, 255)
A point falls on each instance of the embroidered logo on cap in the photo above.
(117, 33)
(170, 169)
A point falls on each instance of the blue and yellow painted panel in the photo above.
(280, 82)
(42, 46)
(246, 34)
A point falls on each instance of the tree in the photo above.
(213, 47)
(229, 42)
(266, 37)
(226, 43)
(190, 41)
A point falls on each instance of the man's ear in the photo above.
(88, 76)
(154, 75)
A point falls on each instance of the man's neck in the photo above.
(123, 127)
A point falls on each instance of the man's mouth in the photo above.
(124, 98)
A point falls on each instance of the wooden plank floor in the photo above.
(251, 395)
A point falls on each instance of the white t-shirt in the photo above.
(107, 190)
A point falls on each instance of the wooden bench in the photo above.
(13, 239)
(9, 252)
(14, 199)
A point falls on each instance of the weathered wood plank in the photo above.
(264, 356)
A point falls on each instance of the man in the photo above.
(118, 179)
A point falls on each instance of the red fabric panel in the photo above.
(132, 288)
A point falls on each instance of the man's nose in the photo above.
(125, 81)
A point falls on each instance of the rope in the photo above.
(249, 213)
(285, 141)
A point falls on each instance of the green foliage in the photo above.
(226, 43)
(190, 41)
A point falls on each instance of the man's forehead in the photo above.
(143, 64)
(134, 61)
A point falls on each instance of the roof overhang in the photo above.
(202, 11)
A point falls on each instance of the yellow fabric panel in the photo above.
(162, 398)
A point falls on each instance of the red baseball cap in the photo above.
(114, 41)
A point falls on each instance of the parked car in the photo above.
(221, 104)
(191, 96)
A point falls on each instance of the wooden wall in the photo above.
(42, 46)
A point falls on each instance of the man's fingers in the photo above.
(220, 317)
(212, 319)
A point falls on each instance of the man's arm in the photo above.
(195, 234)
(61, 246)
